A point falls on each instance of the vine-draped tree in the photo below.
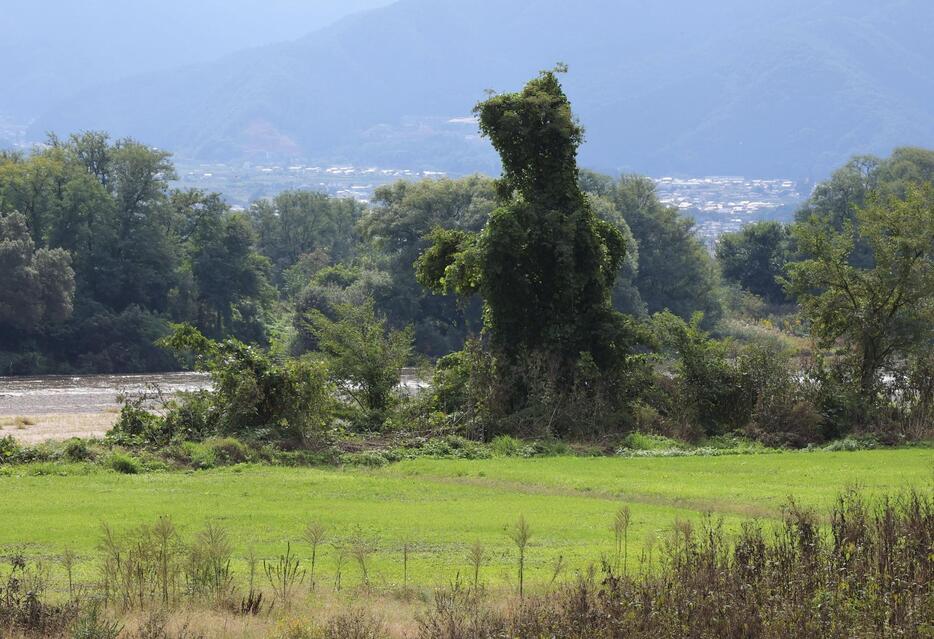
(544, 264)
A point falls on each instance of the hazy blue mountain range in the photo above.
(51, 49)
(769, 88)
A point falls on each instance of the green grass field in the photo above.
(441, 506)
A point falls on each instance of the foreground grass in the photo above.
(439, 507)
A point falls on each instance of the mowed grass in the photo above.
(439, 507)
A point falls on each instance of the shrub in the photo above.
(138, 427)
(369, 458)
(228, 450)
(454, 447)
(77, 450)
(715, 391)
(785, 412)
(255, 396)
(852, 444)
(644, 441)
(364, 356)
(462, 386)
(192, 416)
(23, 608)
(355, 623)
(506, 446)
(9, 449)
(124, 463)
(295, 629)
(197, 455)
(93, 624)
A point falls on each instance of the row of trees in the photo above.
(125, 253)
(858, 261)
(115, 255)
(559, 300)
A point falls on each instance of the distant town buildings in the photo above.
(724, 204)
(248, 182)
(718, 204)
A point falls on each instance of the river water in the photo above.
(80, 394)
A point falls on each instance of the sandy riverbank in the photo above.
(32, 429)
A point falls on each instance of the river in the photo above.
(57, 394)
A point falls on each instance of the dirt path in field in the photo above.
(713, 506)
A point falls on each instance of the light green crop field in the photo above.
(442, 506)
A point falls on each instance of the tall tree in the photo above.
(836, 201)
(146, 250)
(544, 264)
(675, 272)
(881, 306)
(396, 228)
(227, 270)
(755, 258)
(297, 223)
(36, 286)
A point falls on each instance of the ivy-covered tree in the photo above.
(544, 264)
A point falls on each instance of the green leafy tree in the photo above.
(297, 223)
(330, 288)
(397, 228)
(755, 258)
(36, 286)
(544, 264)
(142, 256)
(837, 201)
(626, 296)
(878, 307)
(227, 271)
(364, 356)
(675, 272)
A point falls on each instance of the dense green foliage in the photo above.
(397, 228)
(755, 259)
(675, 271)
(38, 286)
(304, 227)
(365, 357)
(554, 301)
(252, 396)
(870, 284)
(544, 264)
(142, 255)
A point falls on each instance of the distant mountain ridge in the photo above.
(770, 88)
(51, 49)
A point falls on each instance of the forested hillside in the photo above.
(776, 88)
(51, 50)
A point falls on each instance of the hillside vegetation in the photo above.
(775, 89)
